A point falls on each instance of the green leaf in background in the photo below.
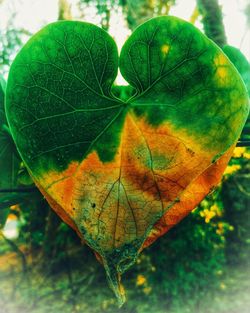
(119, 171)
(240, 62)
(9, 160)
(2, 88)
(243, 66)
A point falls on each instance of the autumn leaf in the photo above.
(121, 173)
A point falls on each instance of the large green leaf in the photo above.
(121, 173)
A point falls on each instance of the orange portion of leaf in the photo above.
(190, 198)
(115, 203)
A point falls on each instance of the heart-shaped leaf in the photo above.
(122, 173)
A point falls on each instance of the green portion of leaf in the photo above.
(9, 161)
(69, 67)
(123, 92)
(62, 104)
(240, 62)
(177, 73)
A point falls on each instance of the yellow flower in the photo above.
(246, 155)
(141, 280)
(232, 169)
(220, 225)
(147, 290)
(216, 210)
(223, 286)
(238, 152)
(220, 229)
(209, 217)
(210, 213)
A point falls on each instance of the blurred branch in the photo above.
(195, 15)
(247, 13)
(243, 143)
(213, 21)
(21, 190)
(64, 12)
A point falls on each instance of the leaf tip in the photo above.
(114, 280)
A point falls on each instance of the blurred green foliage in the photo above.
(11, 40)
(235, 195)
